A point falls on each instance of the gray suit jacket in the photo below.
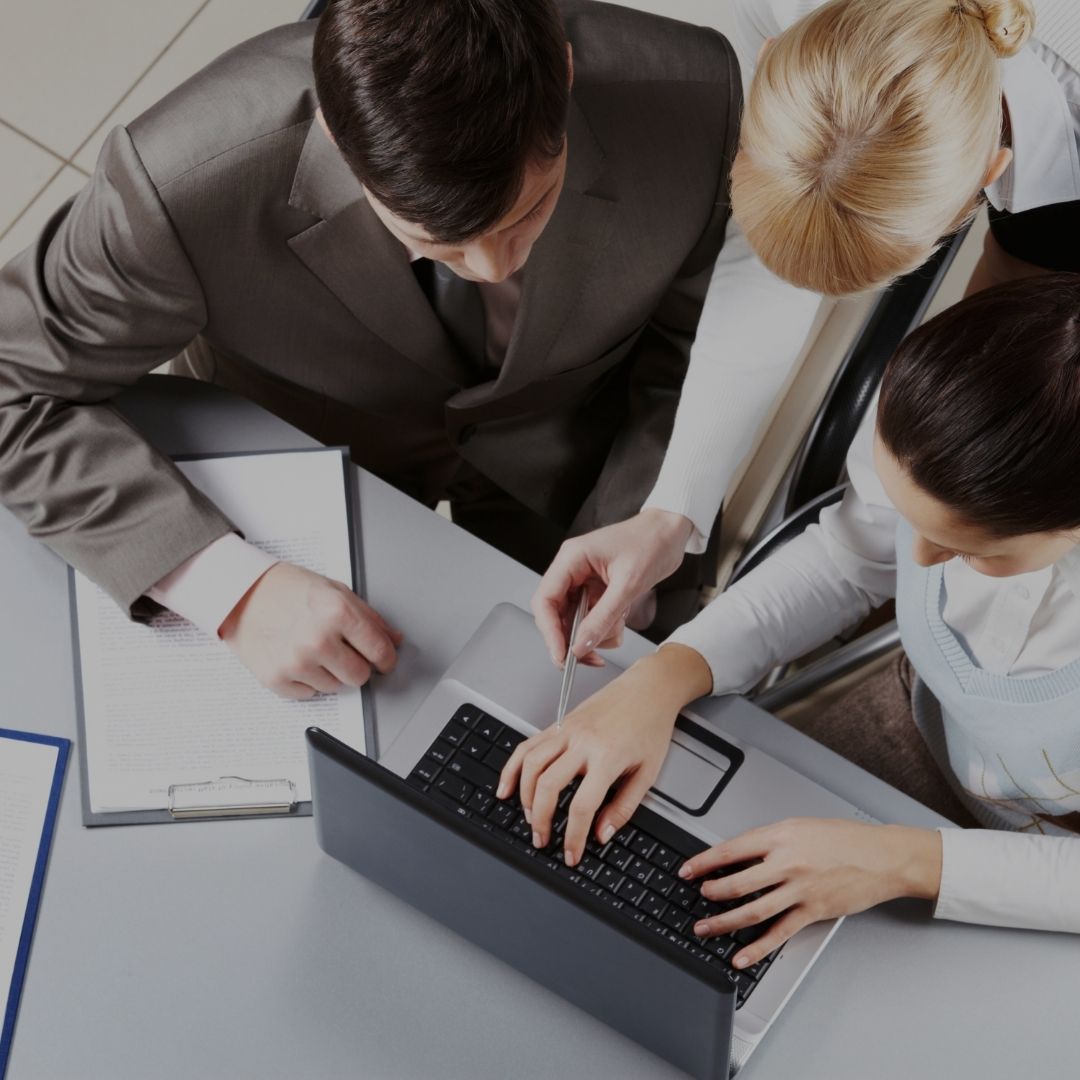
(225, 212)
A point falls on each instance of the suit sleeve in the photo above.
(105, 295)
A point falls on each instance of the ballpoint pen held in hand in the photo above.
(571, 661)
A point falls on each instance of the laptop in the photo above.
(613, 934)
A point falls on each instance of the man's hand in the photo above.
(619, 565)
(302, 634)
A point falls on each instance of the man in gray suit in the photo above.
(474, 248)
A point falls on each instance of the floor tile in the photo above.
(23, 232)
(27, 169)
(219, 26)
(95, 52)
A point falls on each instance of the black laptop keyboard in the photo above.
(636, 874)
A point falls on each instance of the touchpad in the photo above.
(694, 772)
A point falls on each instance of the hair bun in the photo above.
(1008, 23)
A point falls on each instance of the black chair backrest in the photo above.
(313, 10)
(821, 461)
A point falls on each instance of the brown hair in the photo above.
(868, 132)
(981, 407)
(439, 106)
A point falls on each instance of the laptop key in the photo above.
(721, 946)
(632, 891)
(665, 858)
(502, 814)
(487, 727)
(496, 759)
(481, 802)
(642, 844)
(474, 773)
(441, 752)
(417, 782)
(590, 866)
(640, 870)
(468, 715)
(455, 734)
(609, 877)
(662, 883)
(653, 904)
(624, 835)
(454, 788)
(684, 895)
(427, 770)
(509, 739)
(618, 857)
(676, 918)
(476, 747)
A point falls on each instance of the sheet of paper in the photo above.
(166, 704)
(26, 777)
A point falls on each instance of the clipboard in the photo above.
(33, 900)
(219, 798)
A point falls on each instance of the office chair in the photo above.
(313, 9)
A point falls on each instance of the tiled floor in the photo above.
(103, 64)
(107, 61)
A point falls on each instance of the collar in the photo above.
(1046, 167)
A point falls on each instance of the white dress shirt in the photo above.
(826, 581)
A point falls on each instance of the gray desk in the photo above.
(237, 949)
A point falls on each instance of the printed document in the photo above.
(163, 703)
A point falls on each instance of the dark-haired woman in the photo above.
(965, 506)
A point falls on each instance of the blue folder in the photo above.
(34, 899)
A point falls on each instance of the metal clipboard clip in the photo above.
(231, 796)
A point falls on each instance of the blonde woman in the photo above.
(872, 128)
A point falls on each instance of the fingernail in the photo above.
(684, 870)
(528, 814)
(741, 961)
(568, 857)
(590, 643)
(502, 792)
(607, 834)
(701, 929)
(536, 840)
(555, 660)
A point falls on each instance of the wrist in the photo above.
(669, 526)
(674, 676)
(917, 861)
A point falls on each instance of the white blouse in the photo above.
(826, 581)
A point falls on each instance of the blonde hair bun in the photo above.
(1009, 24)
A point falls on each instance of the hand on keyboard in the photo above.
(616, 741)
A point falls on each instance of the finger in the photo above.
(294, 691)
(583, 809)
(624, 802)
(536, 761)
(550, 600)
(601, 621)
(346, 664)
(782, 930)
(749, 914)
(319, 679)
(549, 786)
(759, 876)
(508, 777)
(371, 641)
(593, 659)
(750, 845)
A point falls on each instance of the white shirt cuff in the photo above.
(1000, 878)
(206, 587)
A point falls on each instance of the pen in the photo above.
(570, 663)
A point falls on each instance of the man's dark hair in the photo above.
(440, 105)
(981, 407)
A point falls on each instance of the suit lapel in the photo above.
(367, 269)
(560, 263)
